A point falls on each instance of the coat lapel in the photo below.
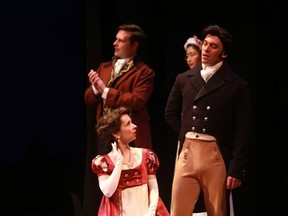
(216, 81)
(195, 77)
(124, 70)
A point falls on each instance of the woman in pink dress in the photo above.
(126, 175)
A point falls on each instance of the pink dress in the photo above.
(131, 197)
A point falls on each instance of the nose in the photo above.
(205, 47)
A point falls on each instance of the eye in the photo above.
(189, 55)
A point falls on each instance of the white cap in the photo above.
(192, 40)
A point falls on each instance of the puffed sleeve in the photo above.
(152, 162)
(100, 166)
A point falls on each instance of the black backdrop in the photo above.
(47, 49)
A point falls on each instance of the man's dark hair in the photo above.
(137, 34)
(225, 37)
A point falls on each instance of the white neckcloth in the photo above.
(208, 71)
(118, 65)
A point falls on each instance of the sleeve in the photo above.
(152, 162)
(94, 90)
(173, 108)
(99, 166)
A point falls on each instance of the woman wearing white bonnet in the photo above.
(193, 51)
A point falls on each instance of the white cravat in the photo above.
(207, 73)
(118, 65)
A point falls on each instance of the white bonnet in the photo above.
(194, 41)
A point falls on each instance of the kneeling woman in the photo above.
(127, 175)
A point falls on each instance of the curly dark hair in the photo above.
(225, 37)
(110, 123)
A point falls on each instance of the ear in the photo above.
(116, 135)
(135, 45)
(224, 55)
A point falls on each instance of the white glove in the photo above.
(117, 153)
(108, 186)
(154, 196)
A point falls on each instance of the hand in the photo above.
(117, 153)
(91, 75)
(96, 81)
(232, 183)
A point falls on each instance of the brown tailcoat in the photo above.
(132, 89)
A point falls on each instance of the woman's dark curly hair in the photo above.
(110, 123)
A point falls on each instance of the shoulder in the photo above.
(147, 151)
(151, 160)
(100, 164)
(229, 74)
(105, 64)
(190, 72)
(98, 160)
(141, 66)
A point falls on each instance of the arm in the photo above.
(108, 184)
(152, 164)
(133, 91)
(92, 94)
(242, 134)
(153, 195)
(173, 107)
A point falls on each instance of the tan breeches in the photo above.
(200, 167)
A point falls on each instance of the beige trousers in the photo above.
(200, 166)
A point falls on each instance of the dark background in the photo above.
(47, 49)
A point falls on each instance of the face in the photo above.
(122, 46)
(193, 56)
(127, 131)
(212, 51)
